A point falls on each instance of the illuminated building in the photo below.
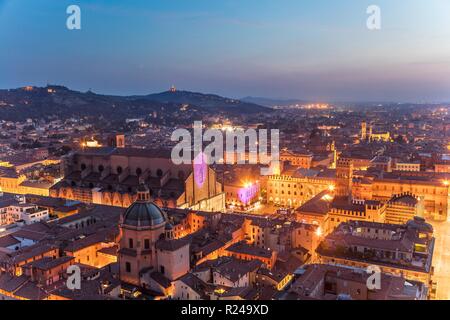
(92, 250)
(433, 192)
(339, 282)
(10, 180)
(243, 251)
(328, 211)
(295, 186)
(16, 259)
(402, 208)
(240, 192)
(111, 176)
(362, 188)
(343, 210)
(46, 271)
(407, 166)
(405, 250)
(344, 177)
(147, 250)
(382, 163)
(296, 159)
(364, 131)
(368, 134)
(443, 167)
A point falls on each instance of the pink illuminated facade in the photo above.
(242, 196)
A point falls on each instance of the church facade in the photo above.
(111, 176)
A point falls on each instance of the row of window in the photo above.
(146, 243)
(138, 171)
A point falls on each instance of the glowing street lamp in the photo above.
(319, 232)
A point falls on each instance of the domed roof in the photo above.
(143, 212)
(418, 223)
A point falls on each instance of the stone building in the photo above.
(111, 176)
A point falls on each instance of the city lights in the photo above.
(275, 170)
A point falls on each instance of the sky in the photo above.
(316, 50)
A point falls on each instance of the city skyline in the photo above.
(313, 51)
(225, 158)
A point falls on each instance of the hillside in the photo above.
(209, 101)
(61, 102)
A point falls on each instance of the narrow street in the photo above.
(441, 259)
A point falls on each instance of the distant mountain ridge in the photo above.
(271, 102)
(211, 101)
(59, 101)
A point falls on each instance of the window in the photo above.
(127, 267)
(147, 244)
(130, 243)
(161, 269)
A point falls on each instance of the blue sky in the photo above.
(317, 49)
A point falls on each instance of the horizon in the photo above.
(243, 98)
(299, 51)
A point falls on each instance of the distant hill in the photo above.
(209, 101)
(269, 102)
(61, 102)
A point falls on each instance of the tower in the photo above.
(141, 225)
(116, 140)
(363, 131)
(344, 177)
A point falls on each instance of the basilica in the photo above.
(112, 175)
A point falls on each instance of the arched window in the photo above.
(159, 173)
(119, 169)
(138, 171)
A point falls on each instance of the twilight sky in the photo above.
(305, 49)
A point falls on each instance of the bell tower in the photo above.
(344, 177)
(363, 131)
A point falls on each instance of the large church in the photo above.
(111, 176)
(149, 255)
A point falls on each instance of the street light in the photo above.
(319, 232)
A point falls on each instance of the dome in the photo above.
(143, 212)
(419, 224)
(169, 226)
